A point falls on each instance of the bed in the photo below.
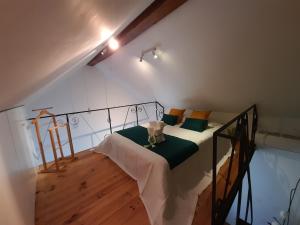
(169, 193)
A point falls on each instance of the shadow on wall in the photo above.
(16, 170)
(198, 103)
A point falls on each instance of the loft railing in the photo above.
(85, 124)
(241, 132)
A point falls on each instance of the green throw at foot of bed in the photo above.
(175, 150)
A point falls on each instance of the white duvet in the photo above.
(169, 196)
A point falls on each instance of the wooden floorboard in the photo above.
(93, 190)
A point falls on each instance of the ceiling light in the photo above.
(113, 44)
(105, 34)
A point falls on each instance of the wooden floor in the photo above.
(95, 191)
(92, 191)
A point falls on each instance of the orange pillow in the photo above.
(200, 115)
(177, 112)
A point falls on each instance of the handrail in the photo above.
(245, 151)
(101, 109)
(234, 119)
(136, 109)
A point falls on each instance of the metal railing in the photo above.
(241, 132)
(73, 118)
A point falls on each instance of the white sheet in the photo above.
(169, 196)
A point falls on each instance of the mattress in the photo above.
(169, 196)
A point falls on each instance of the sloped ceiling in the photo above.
(220, 55)
(41, 39)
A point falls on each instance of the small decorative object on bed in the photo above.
(155, 133)
(158, 127)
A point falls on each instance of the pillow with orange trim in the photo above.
(177, 112)
(203, 115)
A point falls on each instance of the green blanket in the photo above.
(175, 150)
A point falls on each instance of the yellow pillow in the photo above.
(200, 115)
(177, 112)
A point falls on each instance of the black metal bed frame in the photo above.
(241, 126)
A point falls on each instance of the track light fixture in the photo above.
(152, 50)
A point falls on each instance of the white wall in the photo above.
(17, 175)
(274, 173)
(223, 56)
(83, 89)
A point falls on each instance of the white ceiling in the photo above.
(220, 55)
(41, 39)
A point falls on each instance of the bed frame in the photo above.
(242, 136)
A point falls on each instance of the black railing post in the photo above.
(242, 164)
(254, 126)
(68, 122)
(136, 114)
(109, 120)
(156, 110)
(249, 198)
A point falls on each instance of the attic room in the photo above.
(153, 112)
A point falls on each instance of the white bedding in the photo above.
(169, 196)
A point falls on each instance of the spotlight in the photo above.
(103, 51)
(153, 50)
(154, 54)
(113, 44)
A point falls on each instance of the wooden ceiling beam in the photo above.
(150, 16)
